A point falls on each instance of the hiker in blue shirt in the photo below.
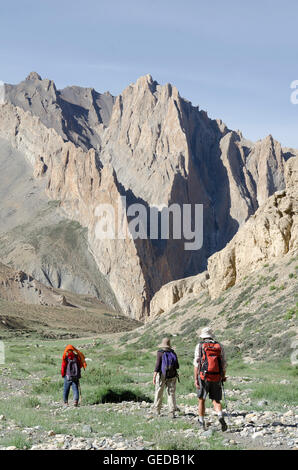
(165, 376)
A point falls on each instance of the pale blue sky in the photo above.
(234, 59)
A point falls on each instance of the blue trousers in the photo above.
(66, 388)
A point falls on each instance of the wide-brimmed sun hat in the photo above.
(206, 332)
(166, 343)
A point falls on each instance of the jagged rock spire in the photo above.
(33, 76)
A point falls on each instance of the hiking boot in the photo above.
(173, 415)
(65, 403)
(224, 426)
(76, 403)
(202, 424)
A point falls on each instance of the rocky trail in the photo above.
(248, 428)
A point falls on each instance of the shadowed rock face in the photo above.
(267, 236)
(74, 112)
(36, 236)
(270, 233)
(149, 145)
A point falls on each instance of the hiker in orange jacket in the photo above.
(72, 362)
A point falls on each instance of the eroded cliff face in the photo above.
(74, 112)
(174, 291)
(17, 286)
(269, 233)
(266, 237)
(76, 180)
(153, 147)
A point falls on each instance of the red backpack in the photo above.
(211, 369)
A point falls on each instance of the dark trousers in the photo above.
(75, 388)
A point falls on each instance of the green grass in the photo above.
(16, 439)
(123, 372)
(276, 393)
(47, 386)
(32, 402)
(180, 442)
(292, 312)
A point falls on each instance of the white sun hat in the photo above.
(206, 332)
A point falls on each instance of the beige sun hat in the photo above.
(166, 343)
(206, 332)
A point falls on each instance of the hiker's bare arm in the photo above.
(224, 363)
(223, 359)
(154, 378)
(196, 377)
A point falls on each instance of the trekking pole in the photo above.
(80, 391)
(224, 394)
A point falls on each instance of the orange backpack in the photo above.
(211, 369)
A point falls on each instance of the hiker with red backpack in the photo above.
(72, 362)
(165, 376)
(209, 373)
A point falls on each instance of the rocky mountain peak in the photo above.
(33, 76)
(153, 147)
(144, 79)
